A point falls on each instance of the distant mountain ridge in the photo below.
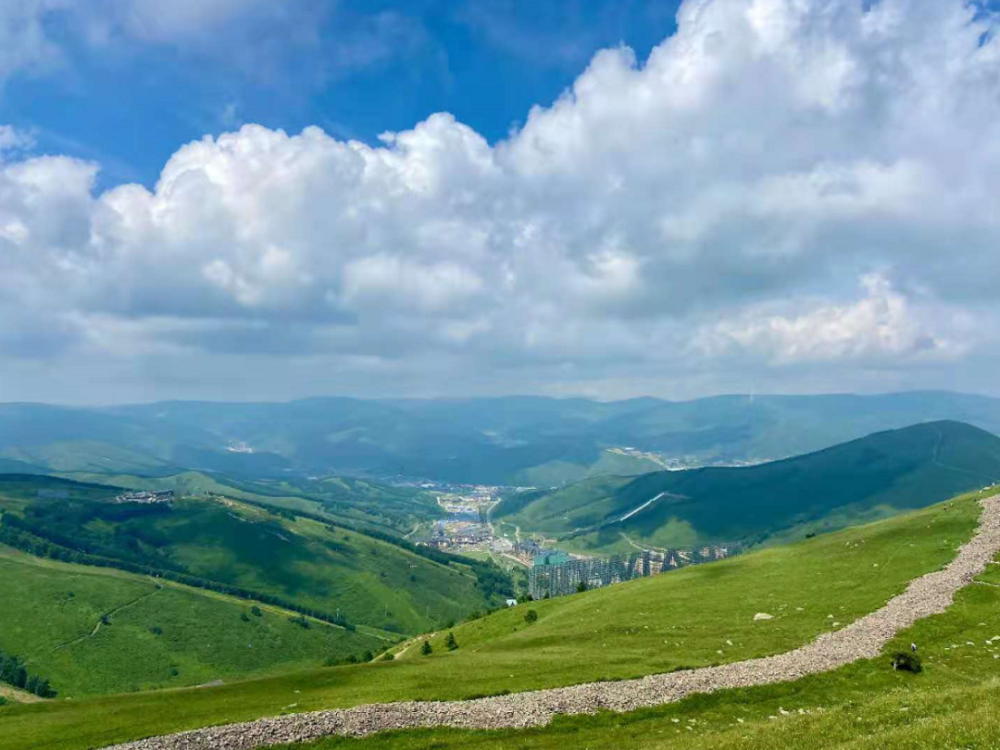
(517, 440)
(872, 477)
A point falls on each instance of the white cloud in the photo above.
(12, 139)
(881, 326)
(770, 150)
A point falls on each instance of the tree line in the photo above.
(14, 672)
(22, 535)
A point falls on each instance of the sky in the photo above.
(242, 199)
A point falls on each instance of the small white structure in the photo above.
(512, 602)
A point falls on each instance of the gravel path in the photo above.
(863, 639)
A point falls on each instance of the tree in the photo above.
(450, 642)
(581, 587)
(530, 616)
(255, 611)
(426, 649)
(368, 656)
(43, 690)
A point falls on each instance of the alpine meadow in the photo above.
(494, 374)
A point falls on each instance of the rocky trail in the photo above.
(864, 639)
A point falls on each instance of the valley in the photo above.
(659, 624)
(199, 597)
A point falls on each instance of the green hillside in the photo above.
(229, 544)
(347, 500)
(689, 618)
(869, 478)
(97, 630)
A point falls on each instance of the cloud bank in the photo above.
(785, 193)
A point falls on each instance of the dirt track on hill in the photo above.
(864, 639)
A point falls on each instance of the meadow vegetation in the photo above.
(90, 631)
(689, 618)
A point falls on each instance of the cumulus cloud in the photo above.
(715, 203)
(883, 324)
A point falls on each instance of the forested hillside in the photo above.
(220, 543)
(873, 477)
(533, 441)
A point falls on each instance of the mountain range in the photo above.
(527, 440)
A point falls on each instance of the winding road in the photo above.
(864, 639)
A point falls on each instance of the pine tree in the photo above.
(450, 642)
(426, 649)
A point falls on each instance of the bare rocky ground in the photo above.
(863, 639)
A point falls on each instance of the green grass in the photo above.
(51, 610)
(329, 569)
(863, 706)
(678, 620)
(345, 500)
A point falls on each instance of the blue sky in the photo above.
(577, 197)
(354, 68)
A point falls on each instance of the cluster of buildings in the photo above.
(554, 573)
(453, 536)
(146, 498)
(530, 552)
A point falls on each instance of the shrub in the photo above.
(907, 662)
(156, 630)
(244, 617)
(426, 649)
(255, 611)
(581, 587)
(368, 656)
(386, 657)
(530, 616)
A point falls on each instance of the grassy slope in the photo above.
(682, 619)
(369, 581)
(863, 480)
(51, 610)
(345, 500)
(863, 706)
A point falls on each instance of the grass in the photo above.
(863, 706)
(312, 564)
(679, 620)
(160, 634)
(350, 501)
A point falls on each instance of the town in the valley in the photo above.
(468, 529)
